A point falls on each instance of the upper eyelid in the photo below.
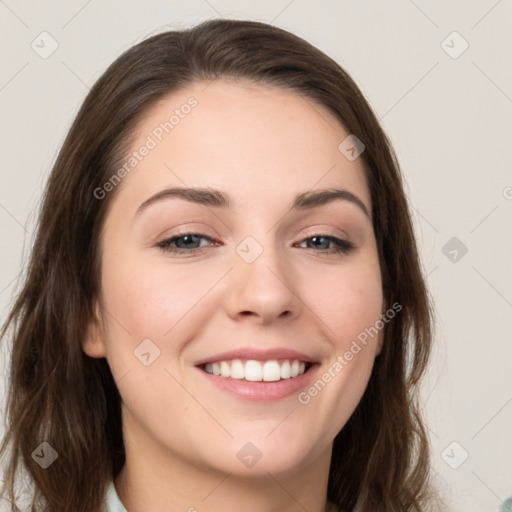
(309, 229)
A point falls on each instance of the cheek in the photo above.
(341, 382)
(148, 299)
(350, 300)
(350, 314)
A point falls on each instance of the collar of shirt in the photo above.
(112, 501)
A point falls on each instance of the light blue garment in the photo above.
(507, 505)
(112, 501)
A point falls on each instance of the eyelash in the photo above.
(344, 246)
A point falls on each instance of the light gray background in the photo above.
(450, 120)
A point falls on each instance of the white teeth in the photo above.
(286, 370)
(271, 371)
(253, 371)
(237, 369)
(224, 369)
(256, 371)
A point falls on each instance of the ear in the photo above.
(93, 343)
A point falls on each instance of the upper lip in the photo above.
(256, 354)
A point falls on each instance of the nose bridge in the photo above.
(262, 280)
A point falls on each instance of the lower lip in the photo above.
(262, 391)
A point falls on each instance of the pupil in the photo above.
(316, 238)
(189, 238)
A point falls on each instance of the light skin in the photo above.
(261, 146)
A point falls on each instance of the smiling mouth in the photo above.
(252, 370)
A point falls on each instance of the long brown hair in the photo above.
(57, 394)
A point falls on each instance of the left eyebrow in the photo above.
(315, 198)
(218, 199)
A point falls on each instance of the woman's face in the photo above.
(256, 276)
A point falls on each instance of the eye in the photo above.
(187, 243)
(341, 246)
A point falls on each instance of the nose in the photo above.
(263, 291)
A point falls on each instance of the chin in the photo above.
(258, 458)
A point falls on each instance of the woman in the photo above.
(275, 365)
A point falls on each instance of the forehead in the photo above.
(254, 140)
